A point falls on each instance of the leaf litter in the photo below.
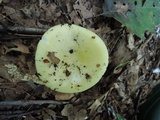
(124, 86)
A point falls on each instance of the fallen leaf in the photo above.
(31, 11)
(3, 73)
(52, 56)
(118, 54)
(15, 15)
(51, 12)
(131, 41)
(98, 103)
(84, 7)
(40, 3)
(19, 47)
(73, 112)
(15, 75)
(63, 96)
(48, 114)
(74, 18)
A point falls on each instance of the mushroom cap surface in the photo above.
(70, 58)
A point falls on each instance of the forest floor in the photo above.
(121, 90)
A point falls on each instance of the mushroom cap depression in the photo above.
(70, 58)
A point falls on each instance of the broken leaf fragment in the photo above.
(70, 58)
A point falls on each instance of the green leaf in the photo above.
(136, 15)
(119, 117)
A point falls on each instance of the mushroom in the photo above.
(70, 58)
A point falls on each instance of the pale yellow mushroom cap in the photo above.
(70, 58)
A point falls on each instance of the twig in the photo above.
(17, 115)
(11, 112)
(32, 102)
(20, 114)
(18, 36)
(22, 30)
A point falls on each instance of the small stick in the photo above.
(32, 102)
(6, 116)
(11, 112)
(22, 30)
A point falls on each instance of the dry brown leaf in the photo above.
(51, 12)
(31, 11)
(118, 55)
(40, 3)
(63, 96)
(9, 94)
(75, 19)
(4, 73)
(15, 75)
(48, 114)
(73, 112)
(15, 15)
(84, 7)
(97, 103)
(130, 75)
(53, 58)
(19, 47)
(120, 87)
(31, 67)
(131, 42)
